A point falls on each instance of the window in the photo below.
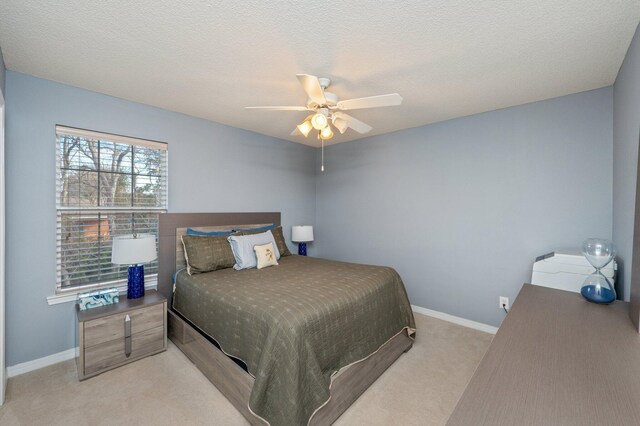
(107, 185)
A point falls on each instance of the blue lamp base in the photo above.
(302, 249)
(135, 285)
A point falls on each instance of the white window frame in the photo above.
(64, 295)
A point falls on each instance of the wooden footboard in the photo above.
(235, 383)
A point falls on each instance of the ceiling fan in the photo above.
(326, 108)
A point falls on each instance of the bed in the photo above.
(291, 344)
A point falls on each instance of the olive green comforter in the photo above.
(295, 324)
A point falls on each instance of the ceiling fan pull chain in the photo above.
(322, 151)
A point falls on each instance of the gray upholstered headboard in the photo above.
(174, 225)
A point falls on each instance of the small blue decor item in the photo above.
(93, 299)
(302, 249)
(596, 287)
(598, 290)
(135, 287)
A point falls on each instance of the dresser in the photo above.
(557, 360)
(114, 335)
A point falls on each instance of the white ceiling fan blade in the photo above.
(391, 99)
(311, 85)
(354, 123)
(279, 108)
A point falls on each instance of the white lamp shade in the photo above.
(305, 127)
(340, 124)
(302, 233)
(326, 133)
(319, 121)
(131, 250)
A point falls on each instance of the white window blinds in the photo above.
(106, 185)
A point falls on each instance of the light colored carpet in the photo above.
(421, 388)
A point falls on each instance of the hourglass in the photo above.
(596, 287)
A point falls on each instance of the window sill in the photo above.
(151, 283)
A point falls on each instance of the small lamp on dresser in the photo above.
(302, 234)
(134, 250)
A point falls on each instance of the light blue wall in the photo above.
(462, 208)
(2, 73)
(626, 125)
(212, 167)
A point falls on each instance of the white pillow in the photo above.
(242, 247)
(265, 255)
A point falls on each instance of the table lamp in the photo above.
(302, 234)
(134, 250)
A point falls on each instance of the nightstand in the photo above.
(114, 335)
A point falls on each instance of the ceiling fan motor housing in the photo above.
(331, 98)
(324, 82)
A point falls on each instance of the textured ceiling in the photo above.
(447, 58)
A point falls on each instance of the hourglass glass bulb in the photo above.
(598, 252)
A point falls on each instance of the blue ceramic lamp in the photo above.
(134, 250)
(302, 234)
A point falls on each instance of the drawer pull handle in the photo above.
(127, 336)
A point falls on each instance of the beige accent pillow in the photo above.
(265, 255)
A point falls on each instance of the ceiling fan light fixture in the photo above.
(305, 127)
(319, 121)
(341, 124)
(326, 133)
(325, 107)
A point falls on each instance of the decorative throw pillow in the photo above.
(207, 253)
(255, 230)
(280, 242)
(242, 248)
(265, 255)
(277, 235)
(208, 233)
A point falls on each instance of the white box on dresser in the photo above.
(566, 270)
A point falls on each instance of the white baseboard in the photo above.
(25, 367)
(455, 320)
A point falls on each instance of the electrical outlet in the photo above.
(504, 302)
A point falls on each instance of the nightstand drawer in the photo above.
(111, 327)
(105, 336)
(109, 354)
